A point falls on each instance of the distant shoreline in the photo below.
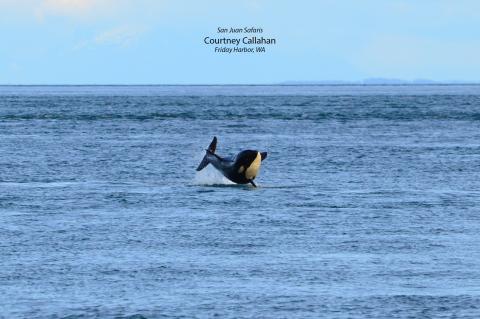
(261, 84)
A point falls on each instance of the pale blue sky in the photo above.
(161, 42)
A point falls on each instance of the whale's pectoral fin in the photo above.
(203, 163)
(263, 155)
(251, 182)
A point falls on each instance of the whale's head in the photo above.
(249, 162)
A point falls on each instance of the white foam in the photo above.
(210, 176)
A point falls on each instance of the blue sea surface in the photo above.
(368, 205)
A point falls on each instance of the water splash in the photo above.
(210, 176)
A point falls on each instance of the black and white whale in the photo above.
(240, 169)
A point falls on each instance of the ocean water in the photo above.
(368, 204)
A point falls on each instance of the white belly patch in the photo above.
(252, 170)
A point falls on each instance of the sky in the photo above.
(161, 41)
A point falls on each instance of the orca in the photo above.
(241, 169)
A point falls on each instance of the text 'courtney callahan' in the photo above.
(239, 40)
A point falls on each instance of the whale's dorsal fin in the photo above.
(263, 155)
(213, 146)
(211, 149)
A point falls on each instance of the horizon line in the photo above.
(253, 84)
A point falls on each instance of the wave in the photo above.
(408, 108)
(295, 116)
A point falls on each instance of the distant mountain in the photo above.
(397, 81)
(377, 81)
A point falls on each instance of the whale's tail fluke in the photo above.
(211, 149)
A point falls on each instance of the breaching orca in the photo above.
(241, 169)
